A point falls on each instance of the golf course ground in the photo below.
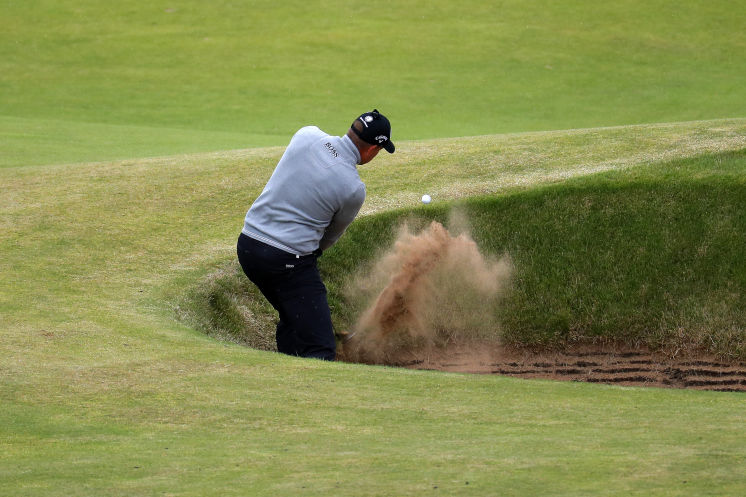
(599, 150)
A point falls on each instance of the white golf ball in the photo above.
(426, 199)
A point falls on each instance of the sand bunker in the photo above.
(431, 289)
(613, 365)
(432, 301)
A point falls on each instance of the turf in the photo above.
(104, 391)
(206, 420)
(648, 256)
(133, 79)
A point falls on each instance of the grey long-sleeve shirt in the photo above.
(312, 197)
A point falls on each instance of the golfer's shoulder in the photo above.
(309, 134)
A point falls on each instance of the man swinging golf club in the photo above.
(311, 198)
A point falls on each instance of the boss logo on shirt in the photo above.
(331, 149)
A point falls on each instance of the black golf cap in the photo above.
(376, 130)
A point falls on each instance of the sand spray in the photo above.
(429, 290)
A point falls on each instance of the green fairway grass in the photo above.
(104, 391)
(28, 141)
(83, 80)
(197, 419)
(135, 135)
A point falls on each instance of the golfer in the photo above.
(314, 194)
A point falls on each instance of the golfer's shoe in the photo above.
(344, 336)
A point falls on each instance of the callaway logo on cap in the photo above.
(376, 130)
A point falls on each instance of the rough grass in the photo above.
(227, 306)
(104, 392)
(648, 256)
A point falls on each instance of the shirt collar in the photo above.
(351, 148)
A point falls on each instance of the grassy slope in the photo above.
(104, 392)
(86, 80)
(650, 255)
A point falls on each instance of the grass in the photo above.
(647, 256)
(104, 391)
(636, 257)
(28, 141)
(89, 81)
(227, 421)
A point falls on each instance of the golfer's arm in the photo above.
(342, 220)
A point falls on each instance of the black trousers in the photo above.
(293, 286)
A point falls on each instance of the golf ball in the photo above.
(426, 199)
